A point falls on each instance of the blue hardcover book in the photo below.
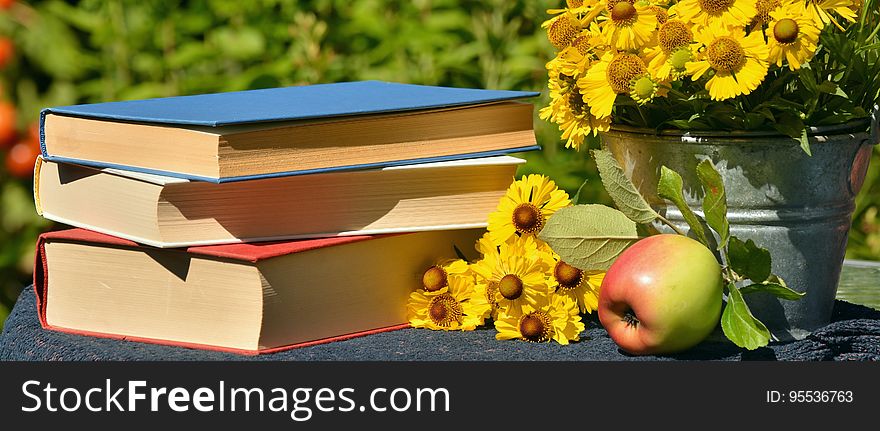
(275, 132)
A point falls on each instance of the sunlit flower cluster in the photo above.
(629, 52)
(518, 282)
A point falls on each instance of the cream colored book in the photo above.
(171, 212)
(250, 298)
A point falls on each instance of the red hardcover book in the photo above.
(244, 298)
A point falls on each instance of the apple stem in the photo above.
(669, 223)
(630, 318)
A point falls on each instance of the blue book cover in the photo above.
(283, 104)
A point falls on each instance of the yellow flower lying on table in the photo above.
(517, 272)
(518, 281)
(580, 286)
(444, 301)
(553, 318)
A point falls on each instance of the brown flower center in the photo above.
(764, 8)
(574, 3)
(674, 34)
(567, 276)
(562, 31)
(662, 14)
(577, 106)
(444, 310)
(610, 4)
(715, 7)
(623, 69)
(527, 218)
(786, 31)
(582, 44)
(510, 286)
(726, 54)
(434, 279)
(623, 12)
(536, 326)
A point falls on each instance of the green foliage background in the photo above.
(94, 51)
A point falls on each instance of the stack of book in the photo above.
(262, 220)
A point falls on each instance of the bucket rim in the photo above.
(858, 126)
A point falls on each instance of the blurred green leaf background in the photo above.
(59, 53)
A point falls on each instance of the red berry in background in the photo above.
(6, 4)
(21, 158)
(33, 135)
(8, 119)
(7, 51)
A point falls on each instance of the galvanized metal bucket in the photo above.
(798, 206)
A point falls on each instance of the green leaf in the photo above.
(779, 290)
(739, 325)
(805, 142)
(459, 253)
(790, 124)
(715, 201)
(580, 195)
(749, 260)
(827, 87)
(621, 189)
(670, 187)
(589, 237)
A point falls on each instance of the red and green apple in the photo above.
(662, 295)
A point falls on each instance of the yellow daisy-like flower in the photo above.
(484, 291)
(484, 296)
(567, 107)
(739, 62)
(628, 25)
(517, 274)
(732, 13)
(764, 7)
(562, 29)
(437, 276)
(485, 246)
(450, 308)
(675, 47)
(579, 123)
(792, 36)
(567, 280)
(820, 11)
(613, 74)
(581, 286)
(554, 318)
(561, 86)
(644, 89)
(525, 208)
(574, 60)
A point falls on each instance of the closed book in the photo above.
(243, 135)
(171, 212)
(245, 298)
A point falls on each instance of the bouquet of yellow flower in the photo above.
(519, 282)
(711, 64)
